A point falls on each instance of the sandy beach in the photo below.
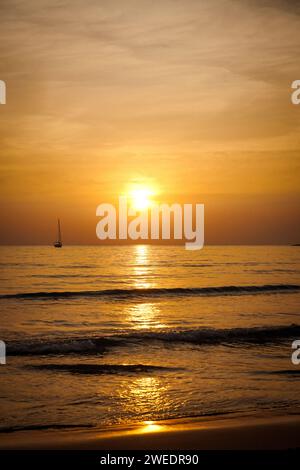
(223, 434)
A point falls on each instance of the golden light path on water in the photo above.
(144, 315)
(142, 396)
(151, 426)
(141, 267)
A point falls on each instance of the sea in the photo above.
(99, 336)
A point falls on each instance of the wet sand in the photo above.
(197, 434)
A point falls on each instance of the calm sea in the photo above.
(103, 335)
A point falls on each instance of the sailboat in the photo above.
(58, 243)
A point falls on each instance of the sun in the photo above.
(140, 198)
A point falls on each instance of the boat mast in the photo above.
(59, 231)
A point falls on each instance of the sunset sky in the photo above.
(190, 97)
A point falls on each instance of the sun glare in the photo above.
(140, 198)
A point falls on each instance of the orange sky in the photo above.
(192, 97)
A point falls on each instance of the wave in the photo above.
(200, 336)
(159, 292)
(42, 427)
(61, 347)
(101, 369)
(293, 373)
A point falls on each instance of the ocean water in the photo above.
(99, 336)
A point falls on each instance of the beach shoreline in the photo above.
(240, 433)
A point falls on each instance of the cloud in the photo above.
(100, 82)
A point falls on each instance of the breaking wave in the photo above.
(159, 292)
(101, 369)
(199, 336)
